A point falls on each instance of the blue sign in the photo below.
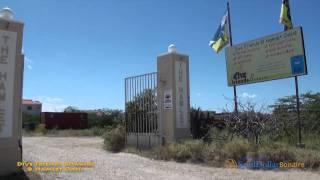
(297, 65)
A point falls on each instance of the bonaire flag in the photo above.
(221, 37)
(285, 16)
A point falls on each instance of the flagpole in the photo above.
(297, 93)
(230, 42)
(286, 3)
(298, 109)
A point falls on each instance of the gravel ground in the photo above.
(130, 166)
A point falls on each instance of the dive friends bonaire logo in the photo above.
(68, 166)
(257, 164)
(239, 78)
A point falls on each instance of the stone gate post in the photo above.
(11, 77)
(174, 95)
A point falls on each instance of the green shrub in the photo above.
(236, 149)
(197, 151)
(30, 122)
(312, 141)
(213, 155)
(310, 158)
(96, 131)
(277, 152)
(180, 152)
(162, 153)
(41, 128)
(114, 140)
(196, 148)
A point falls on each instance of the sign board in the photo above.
(8, 42)
(181, 94)
(167, 95)
(277, 56)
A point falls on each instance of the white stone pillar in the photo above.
(11, 77)
(174, 95)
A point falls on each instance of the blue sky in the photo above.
(79, 52)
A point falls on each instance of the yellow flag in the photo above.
(285, 16)
(221, 37)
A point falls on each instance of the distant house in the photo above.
(31, 107)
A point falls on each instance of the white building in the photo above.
(31, 107)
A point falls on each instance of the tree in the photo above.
(141, 112)
(30, 121)
(250, 122)
(203, 122)
(71, 109)
(285, 112)
(105, 117)
(311, 112)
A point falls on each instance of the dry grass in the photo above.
(215, 154)
(40, 131)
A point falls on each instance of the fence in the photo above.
(141, 110)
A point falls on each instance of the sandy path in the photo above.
(129, 166)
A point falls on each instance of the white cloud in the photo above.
(49, 99)
(198, 94)
(27, 59)
(50, 104)
(248, 95)
(28, 62)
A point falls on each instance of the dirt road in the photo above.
(129, 166)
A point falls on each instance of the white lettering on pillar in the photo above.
(7, 74)
(181, 95)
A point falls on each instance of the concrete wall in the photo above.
(11, 148)
(143, 140)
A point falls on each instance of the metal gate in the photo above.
(141, 110)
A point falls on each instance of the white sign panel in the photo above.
(8, 42)
(181, 94)
(277, 56)
(167, 95)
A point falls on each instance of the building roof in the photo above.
(30, 102)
